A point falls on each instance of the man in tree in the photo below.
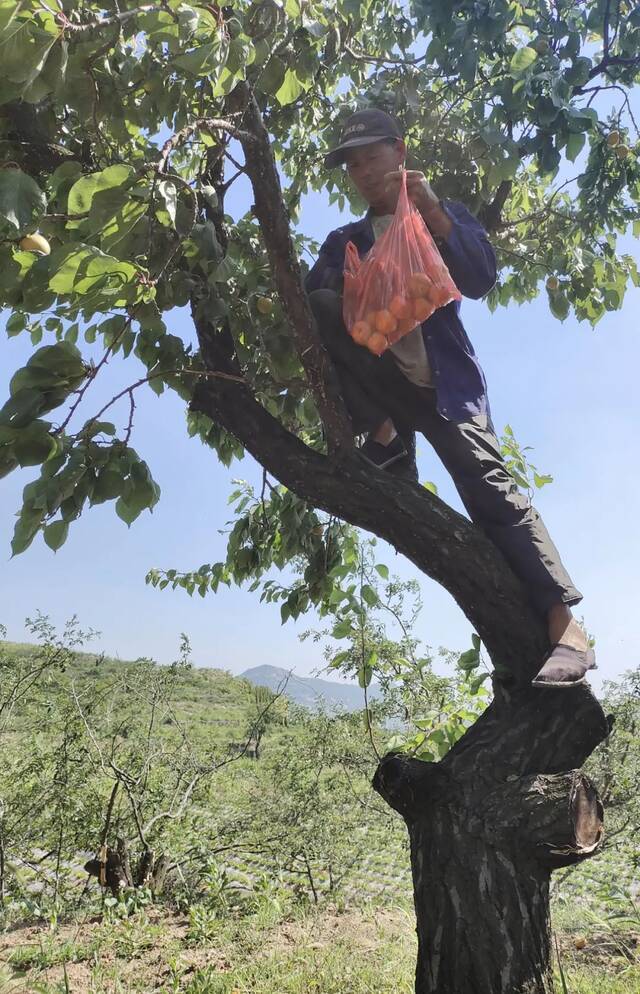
(431, 380)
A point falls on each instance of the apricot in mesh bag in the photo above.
(398, 284)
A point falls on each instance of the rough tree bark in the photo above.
(507, 805)
(487, 826)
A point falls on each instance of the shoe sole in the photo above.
(559, 684)
(385, 465)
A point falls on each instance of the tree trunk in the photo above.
(111, 867)
(486, 831)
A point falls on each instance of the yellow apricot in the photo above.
(385, 322)
(361, 332)
(35, 243)
(401, 308)
(377, 343)
(419, 285)
(422, 309)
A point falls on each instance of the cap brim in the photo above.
(336, 156)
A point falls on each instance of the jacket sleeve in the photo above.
(468, 253)
(327, 272)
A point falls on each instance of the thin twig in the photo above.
(200, 124)
(128, 391)
(594, 90)
(92, 375)
(384, 60)
(103, 22)
(132, 407)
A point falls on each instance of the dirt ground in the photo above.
(154, 953)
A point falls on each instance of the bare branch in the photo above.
(128, 391)
(91, 377)
(172, 815)
(200, 124)
(384, 60)
(103, 22)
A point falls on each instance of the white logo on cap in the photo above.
(354, 127)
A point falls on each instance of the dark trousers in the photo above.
(374, 389)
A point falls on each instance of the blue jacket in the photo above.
(460, 384)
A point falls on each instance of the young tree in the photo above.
(123, 127)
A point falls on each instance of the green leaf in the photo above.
(22, 202)
(541, 480)
(342, 629)
(25, 531)
(475, 641)
(103, 270)
(84, 190)
(475, 683)
(204, 236)
(16, 323)
(559, 305)
(126, 513)
(167, 190)
(469, 660)
(382, 570)
(202, 60)
(575, 144)
(578, 73)
(272, 76)
(34, 445)
(55, 534)
(369, 595)
(522, 60)
(339, 659)
(24, 406)
(365, 674)
(23, 50)
(93, 428)
(81, 268)
(291, 88)
(109, 485)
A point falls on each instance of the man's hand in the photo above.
(421, 194)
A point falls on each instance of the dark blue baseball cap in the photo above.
(363, 128)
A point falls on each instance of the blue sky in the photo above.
(567, 390)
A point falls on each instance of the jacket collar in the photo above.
(364, 228)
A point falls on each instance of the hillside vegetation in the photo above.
(144, 847)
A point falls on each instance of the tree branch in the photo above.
(103, 22)
(441, 542)
(274, 223)
(491, 214)
(200, 124)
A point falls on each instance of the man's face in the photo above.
(368, 165)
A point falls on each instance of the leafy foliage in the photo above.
(115, 129)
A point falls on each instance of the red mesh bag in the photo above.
(399, 283)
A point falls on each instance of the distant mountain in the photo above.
(309, 691)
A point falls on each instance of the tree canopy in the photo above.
(123, 125)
